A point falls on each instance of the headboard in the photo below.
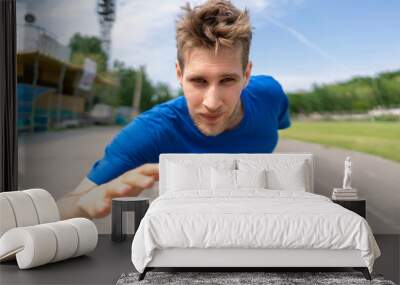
(208, 158)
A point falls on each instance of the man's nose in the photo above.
(212, 102)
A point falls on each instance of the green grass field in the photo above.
(377, 138)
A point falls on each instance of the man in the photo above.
(223, 109)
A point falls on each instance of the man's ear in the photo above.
(179, 73)
(247, 73)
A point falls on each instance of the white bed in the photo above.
(193, 225)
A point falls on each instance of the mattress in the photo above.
(250, 218)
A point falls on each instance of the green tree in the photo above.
(358, 94)
(152, 94)
(88, 46)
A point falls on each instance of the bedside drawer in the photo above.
(357, 206)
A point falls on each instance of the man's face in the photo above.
(212, 84)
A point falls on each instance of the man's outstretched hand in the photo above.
(97, 202)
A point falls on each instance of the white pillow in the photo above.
(193, 175)
(227, 179)
(284, 174)
(251, 178)
(293, 179)
(223, 179)
(181, 177)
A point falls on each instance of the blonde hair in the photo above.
(211, 25)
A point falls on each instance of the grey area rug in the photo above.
(269, 278)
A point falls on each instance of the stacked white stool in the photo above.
(31, 230)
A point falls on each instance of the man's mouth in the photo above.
(211, 118)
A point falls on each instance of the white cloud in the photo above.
(296, 82)
(143, 34)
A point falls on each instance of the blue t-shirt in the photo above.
(168, 128)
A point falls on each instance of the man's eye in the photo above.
(198, 81)
(227, 80)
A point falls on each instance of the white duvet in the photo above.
(251, 218)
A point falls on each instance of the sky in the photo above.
(298, 42)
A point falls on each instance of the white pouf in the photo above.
(40, 244)
(31, 232)
(46, 206)
(33, 246)
(23, 208)
(87, 233)
(67, 240)
(7, 218)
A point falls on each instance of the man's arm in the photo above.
(68, 205)
(125, 169)
(93, 201)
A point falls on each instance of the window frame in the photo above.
(8, 98)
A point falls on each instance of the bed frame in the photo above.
(248, 259)
(261, 259)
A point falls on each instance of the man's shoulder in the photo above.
(264, 83)
(169, 108)
(160, 115)
(265, 88)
